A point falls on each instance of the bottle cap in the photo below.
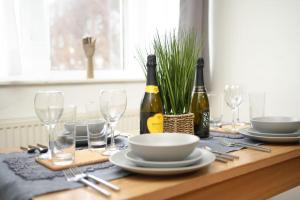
(151, 60)
(200, 62)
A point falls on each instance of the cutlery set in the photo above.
(76, 175)
(245, 145)
(222, 157)
(33, 148)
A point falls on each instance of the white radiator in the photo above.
(16, 133)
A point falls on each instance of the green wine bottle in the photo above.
(200, 104)
(151, 111)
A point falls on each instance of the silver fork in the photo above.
(223, 155)
(78, 172)
(241, 144)
(72, 177)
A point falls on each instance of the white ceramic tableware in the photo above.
(256, 132)
(164, 146)
(81, 127)
(194, 157)
(120, 160)
(276, 124)
(245, 133)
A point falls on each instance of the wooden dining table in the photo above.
(255, 175)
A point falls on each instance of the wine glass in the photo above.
(238, 121)
(233, 98)
(49, 106)
(112, 106)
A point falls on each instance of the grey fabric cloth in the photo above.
(24, 165)
(18, 183)
(194, 15)
(214, 142)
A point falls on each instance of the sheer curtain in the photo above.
(24, 39)
(10, 60)
(25, 35)
(194, 14)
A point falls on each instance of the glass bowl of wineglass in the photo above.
(112, 106)
(49, 106)
(233, 98)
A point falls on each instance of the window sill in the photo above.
(74, 79)
(66, 82)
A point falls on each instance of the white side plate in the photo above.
(256, 132)
(120, 160)
(269, 139)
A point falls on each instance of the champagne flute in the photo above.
(233, 98)
(112, 105)
(49, 106)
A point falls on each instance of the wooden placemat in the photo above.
(82, 157)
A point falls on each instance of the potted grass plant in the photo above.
(177, 55)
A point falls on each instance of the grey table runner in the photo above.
(214, 144)
(21, 178)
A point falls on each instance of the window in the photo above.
(102, 19)
(41, 39)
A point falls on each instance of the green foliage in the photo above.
(177, 57)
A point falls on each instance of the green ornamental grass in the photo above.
(176, 61)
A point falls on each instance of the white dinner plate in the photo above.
(245, 133)
(194, 157)
(256, 132)
(120, 160)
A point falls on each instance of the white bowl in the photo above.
(163, 147)
(276, 124)
(81, 127)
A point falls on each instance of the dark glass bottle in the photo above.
(151, 110)
(200, 104)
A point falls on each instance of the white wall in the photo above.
(17, 101)
(256, 43)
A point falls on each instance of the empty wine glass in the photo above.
(112, 106)
(238, 120)
(233, 98)
(49, 106)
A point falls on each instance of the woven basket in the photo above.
(179, 123)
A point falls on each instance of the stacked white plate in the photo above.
(81, 136)
(170, 154)
(274, 129)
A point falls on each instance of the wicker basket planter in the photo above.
(179, 123)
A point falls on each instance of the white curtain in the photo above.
(24, 38)
(194, 15)
(10, 60)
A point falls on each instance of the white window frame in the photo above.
(131, 71)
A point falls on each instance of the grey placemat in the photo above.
(214, 142)
(27, 184)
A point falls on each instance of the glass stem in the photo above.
(107, 131)
(233, 119)
(112, 137)
(50, 129)
(238, 115)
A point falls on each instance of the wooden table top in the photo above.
(256, 175)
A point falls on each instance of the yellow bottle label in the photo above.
(152, 89)
(155, 123)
